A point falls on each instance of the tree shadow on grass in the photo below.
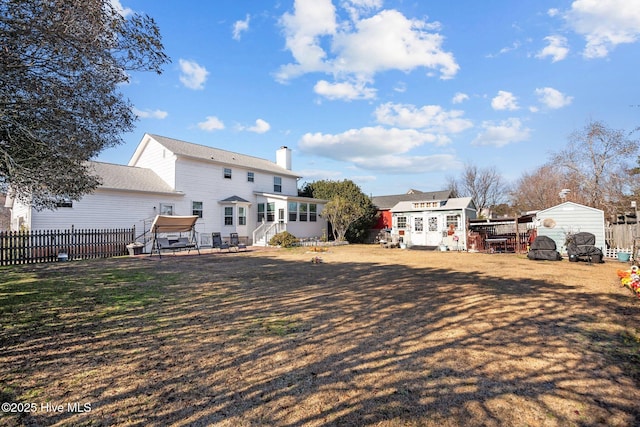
(262, 341)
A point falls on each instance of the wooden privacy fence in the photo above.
(18, 247)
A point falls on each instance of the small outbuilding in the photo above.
(569, 218)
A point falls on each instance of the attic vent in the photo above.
(548, 223)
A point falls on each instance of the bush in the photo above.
(284, 239)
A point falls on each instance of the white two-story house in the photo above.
(229, 192)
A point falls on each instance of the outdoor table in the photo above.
(497, 241)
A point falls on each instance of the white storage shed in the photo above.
(569, 217)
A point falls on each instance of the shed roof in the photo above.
(451, 204)
(566, 205)
(387, 202)
(203, 152)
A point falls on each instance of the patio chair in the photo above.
(235, 242)
(216, 242)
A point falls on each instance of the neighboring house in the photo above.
(385, 203)
(569, 217)
(229, 192)
(433, 222)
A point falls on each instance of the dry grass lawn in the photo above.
(369, 336)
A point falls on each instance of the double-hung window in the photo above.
(293, 211)
(277, 184)
(271, 212)
(303, 211)
(227, 173)
(196, 209)
(313, 212)
(242, 215)
(261, 207)
(228, 215)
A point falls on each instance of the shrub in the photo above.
(284, 239)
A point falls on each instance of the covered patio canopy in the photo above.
(163, 224)
(173, 224)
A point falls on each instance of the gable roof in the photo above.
(130, 178)
(214, 155)
(568, 206)
(387, 202)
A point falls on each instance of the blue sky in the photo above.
(390, 94)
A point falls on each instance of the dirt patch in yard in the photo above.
(365, 336)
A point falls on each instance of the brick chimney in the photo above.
(283, 157)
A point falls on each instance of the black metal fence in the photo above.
(19, 247)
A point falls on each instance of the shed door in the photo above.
(434, 232)
(418, 235)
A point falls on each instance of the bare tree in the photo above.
(598, 160)
(541, 189)
(485, 186)
(61, 62)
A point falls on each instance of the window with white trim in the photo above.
(227, 173)
(166, 209)
(293, 211)
(303, 212)
(228, 215)
(277, 184)
(261, 207)
(242, 215)
(271, 212)
(196, 209)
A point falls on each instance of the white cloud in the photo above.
(557, 48)
(147, 114)
(364, 142)
(211, 123)
(239, 27)
(459, 98)
(303, 29)
(504, 101)
(553, 98)
(604, 24)
(394, 164)
(553, 12)
(193, 75)
(431, 118)
(345, 90)
(124, 11)
(356, 7)
(379, 149)
(261, 126)
(503, 133)
(357, 49)
(319, 174)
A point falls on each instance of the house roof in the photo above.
(450, 204)
(234, 199)
(387, 202)
(130, 178)
(216, 155)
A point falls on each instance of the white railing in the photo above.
(266, 231)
